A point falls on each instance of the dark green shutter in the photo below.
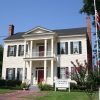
(13, 77)
(58, 48)
(6, 73)
(71, 47)
(26, 47)
(66, 46)
(15, 48)
(58, 72)
(80, 47)
(8, 51)
(19, 49)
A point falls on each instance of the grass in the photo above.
(3, 91)
(60, 96)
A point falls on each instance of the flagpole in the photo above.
(96, 36)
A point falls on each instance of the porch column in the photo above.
(25, 49)
(30, 74)
(45, 68)
(45, 47)
(31, 46)
(23, 78)
(52, 47)
(52, 64)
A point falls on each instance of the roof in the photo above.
(60, 32)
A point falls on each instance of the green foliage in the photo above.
(9, 83)
(88, 7)
(45, 87)
(25, 86)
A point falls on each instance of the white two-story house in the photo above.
(42, 55)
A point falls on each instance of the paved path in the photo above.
(15, 95)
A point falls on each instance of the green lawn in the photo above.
(2, 91)
(61, 96)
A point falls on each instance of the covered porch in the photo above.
(39, 71)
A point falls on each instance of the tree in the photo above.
(1, 58)
(88, 8)
(87, 80)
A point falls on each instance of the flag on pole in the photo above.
(97, 20)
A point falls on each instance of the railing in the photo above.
(39, 54)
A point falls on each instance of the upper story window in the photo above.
(76, 47)
(21, 50)
(62, 48)
(11, 50)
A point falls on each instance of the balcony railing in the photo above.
(39, 54)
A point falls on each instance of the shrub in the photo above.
(25, 86)
(9, 83)
(45, 87)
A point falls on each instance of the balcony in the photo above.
(39, 54)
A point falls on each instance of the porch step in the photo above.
(34, 88)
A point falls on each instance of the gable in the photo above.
(38, 30)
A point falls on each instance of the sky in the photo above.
(51, 14)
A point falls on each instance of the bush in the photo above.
(9, 83)
(24, 86)
(45, 87)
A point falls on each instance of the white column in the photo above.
(45, 68)
(23, 78)
(45, 48)
(31, 46)
(52, 47)
(30, 74)
(52, 64)
(25, 49)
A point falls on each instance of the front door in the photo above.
(41, 50)
(40, 76)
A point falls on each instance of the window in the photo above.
(10, 73)
(76, 47)
(73, 73)
(11, 50)
(63, 72)
(19, 74)
(21, 50)
(62, 48)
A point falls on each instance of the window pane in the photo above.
(62, 48)
(75, 47)
(19, 74)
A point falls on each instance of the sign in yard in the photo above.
(62, 84)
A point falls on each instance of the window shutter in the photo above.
(19, 49)
(26, 47)
(8, 51)
(58, 48)
(6, 73)
(80, 47)
(71, 47)
(66, 46)
(58, 72)
(13, 77)
(15, 47)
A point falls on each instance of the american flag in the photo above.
(97, 20)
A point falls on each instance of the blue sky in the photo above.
(51, 14)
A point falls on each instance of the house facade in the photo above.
(42, 55)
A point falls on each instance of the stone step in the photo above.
(34, 88)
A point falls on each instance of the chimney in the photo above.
(89, 28)
(11, 30)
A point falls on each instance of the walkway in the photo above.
(16, 95)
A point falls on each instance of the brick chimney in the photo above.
(11, 30)
(89, 28)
